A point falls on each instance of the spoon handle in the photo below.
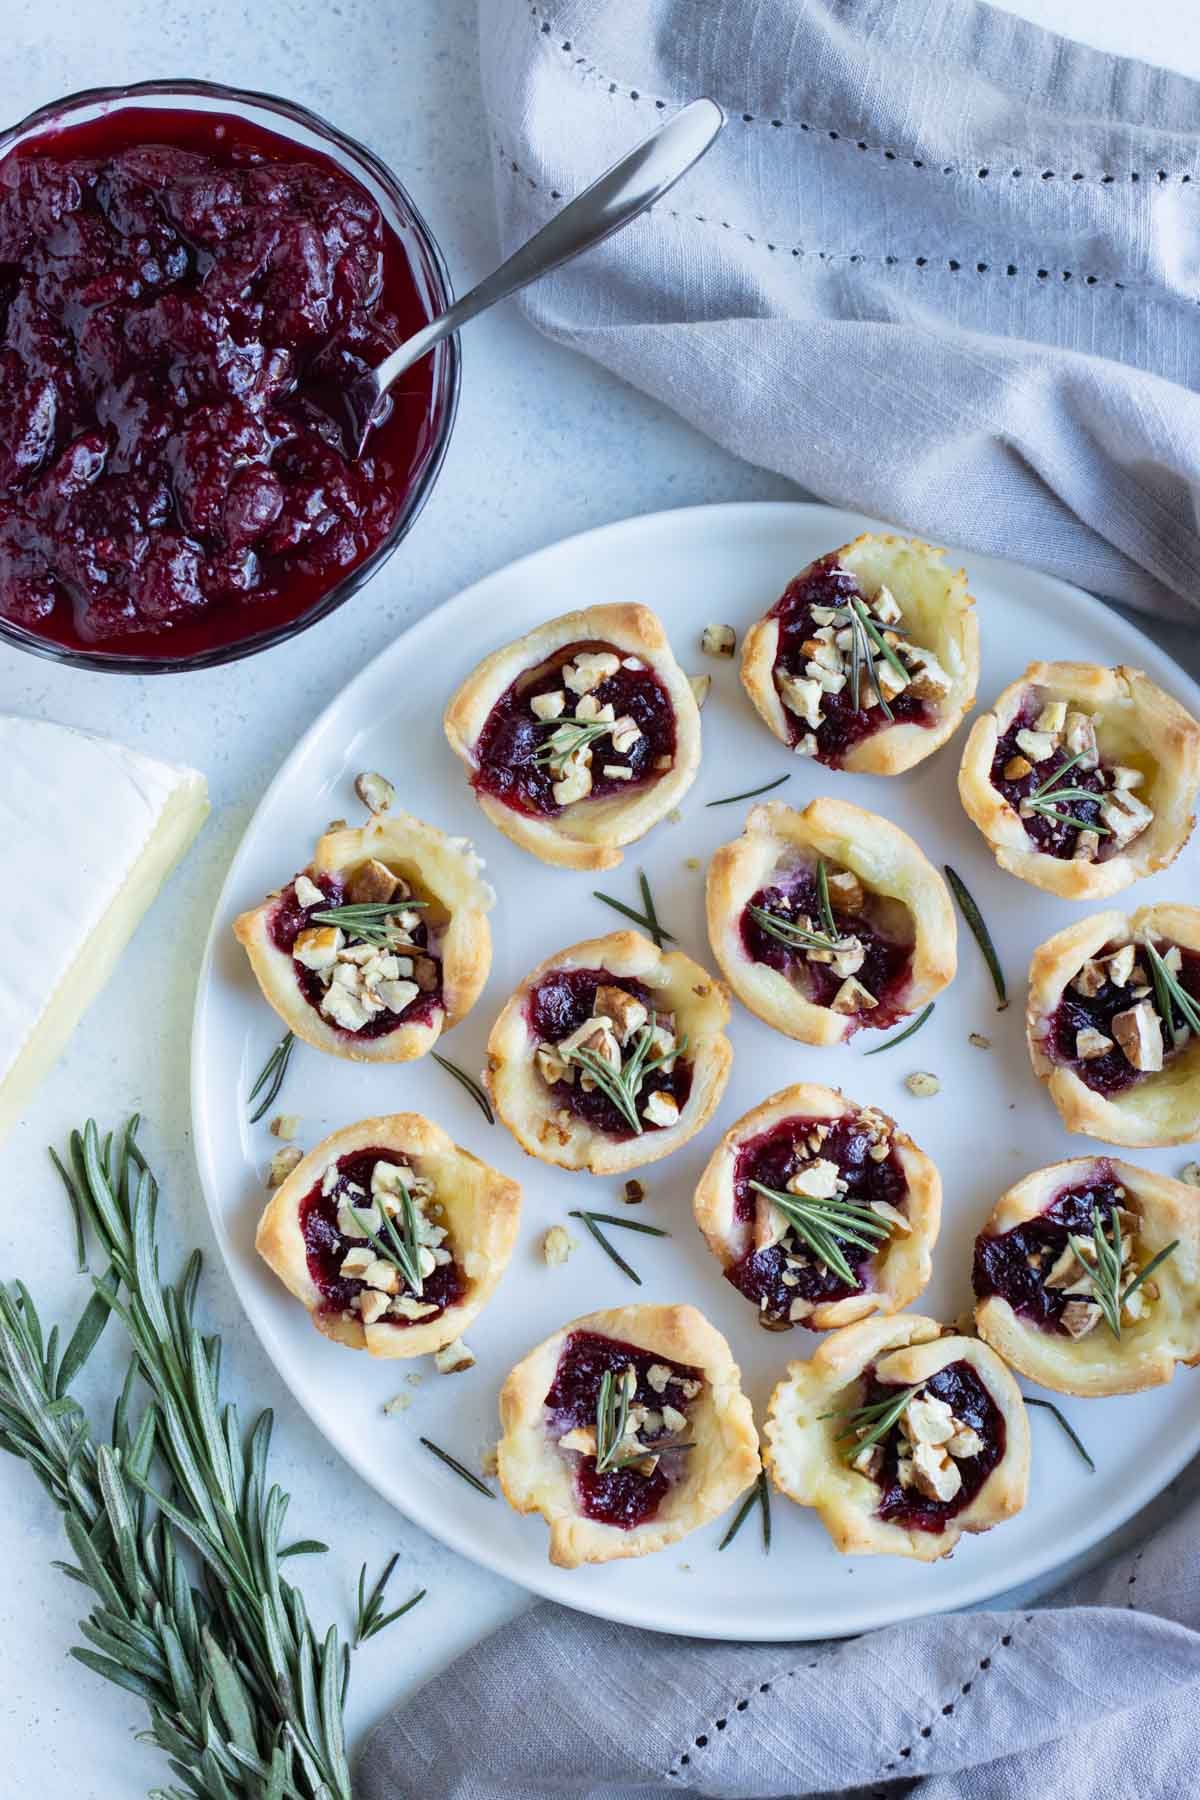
(616, 197)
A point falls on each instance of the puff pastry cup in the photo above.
(329, 1233)
(1035, 1281)
(917, 621)
(809, 1143)
(529, 723)
(957, 1460)
(1114, 1002)
(894, 943)
(684, 1388)
(619, 1001)
(1061, 734)
(382, 991)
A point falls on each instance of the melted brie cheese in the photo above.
(89, 830)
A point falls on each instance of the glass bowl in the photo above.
(305, 130)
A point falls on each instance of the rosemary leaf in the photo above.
(1169, 988)
(1074, 1436)
(609, 1250)
(473, 1087)
(615, 1219)
(656, 930)
(612, 1416)
(272, 1076)
(823, 900)
(788, 933)
(759, 1495)
(398, 1247)
(982, 935)
(649, 924)
(371, 1619)
(452, 1462)
(751, 793)
(909, 1031)
(370, 921)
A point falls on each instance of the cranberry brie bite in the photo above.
(1087, 1277)
(392, 1236)
(820, 1211)
(1082, 779)
(580, 736)
(870, 657)
(626, 1430)
(829, 919)
(380, 945)
(1113, 1025)
(610, 1054)
(901, 1437)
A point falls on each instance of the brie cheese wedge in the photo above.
(91, 830)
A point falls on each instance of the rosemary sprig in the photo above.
(823, 1226)
(567, 739)
(370, 921)
(1074, 1436)
(873, 1422)
(452, 1462)
(656, 930)
(593, 1221)
(612, 1415)
(759, 1494)
(243, 1698)
(751, 793)
(648, 920)
(1170, 993)
(909, 1031)
(823, 900)
(372, 1619)
(982, 935)
(1049, 795)
(400, 1247)
(272, 1072)
(473, 1087)
(866, 642)
(1107, 1270)
(788, 933)
(622, 1086)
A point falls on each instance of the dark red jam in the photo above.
(326, 1247)
(843, 722)
(1075, 1012)
(512, 736)
(622, 1497)
(1051, 836)
(182, 298)
(964, 1393)
(887, 967)
(557, 1006)
(289, 919)
(773, 1159)
(1014, 1265)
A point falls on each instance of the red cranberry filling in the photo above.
(327, 1247)
(513, 736)
(775, 1278)
(886, 968)
(182, 296)
(959, 1386)
(622, 1497)
(843, 722)
(1052, 835)
(560, 1003)
(289, 919)
(1014, 1264)
(1112, 1071)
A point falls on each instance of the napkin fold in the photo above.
(941, 265)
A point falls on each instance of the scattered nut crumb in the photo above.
(700, 685)
(980, 1042)
(635, 1193)
(374, 790)
(489, 1462)
(557, 1245)
(336, 825)
(964, 1324)
(397, 1404)
(922, 1084)
(674, 816)
(1190, 1173)
(285, 1125)
(685, 1568)
(282, 1164)
(692, 862)
(454, 1358)
(414, 1379)
(718, 640)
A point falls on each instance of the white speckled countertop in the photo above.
(545, 445)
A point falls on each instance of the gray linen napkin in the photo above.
(942, 265)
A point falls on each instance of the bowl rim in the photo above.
(446, 383)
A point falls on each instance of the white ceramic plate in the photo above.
(990, 1123)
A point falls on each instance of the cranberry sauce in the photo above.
(182, 296)
(1048, 835)
(559, 1005)
(774, 1279)
(843, 722)
(326, 1247)
(886, 968)
(288, 919)
(1075, 1012)
(622, 1497)
(959, 1386)
(512, 735)
(1014, 1264)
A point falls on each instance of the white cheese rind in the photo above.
(90, 830)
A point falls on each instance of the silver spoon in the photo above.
(627, 189)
